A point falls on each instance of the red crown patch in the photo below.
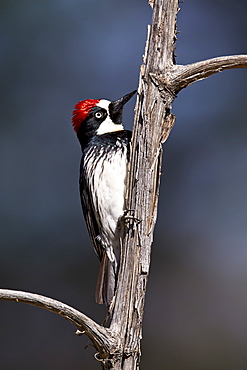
(81, 111)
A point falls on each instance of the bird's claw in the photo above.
(128, 215)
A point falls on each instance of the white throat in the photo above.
(107, 125)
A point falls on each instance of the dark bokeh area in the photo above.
(54, 53)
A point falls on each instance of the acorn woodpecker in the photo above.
(105, 153)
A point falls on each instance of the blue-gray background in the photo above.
(56, 52)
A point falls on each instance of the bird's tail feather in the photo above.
(106, 283)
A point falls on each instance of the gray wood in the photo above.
(118, 347)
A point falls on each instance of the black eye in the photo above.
(98, 115)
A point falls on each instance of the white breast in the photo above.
(107, 184)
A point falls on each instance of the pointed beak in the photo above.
(116, 108)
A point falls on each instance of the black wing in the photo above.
(89, 213)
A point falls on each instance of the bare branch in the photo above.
(160, 81)
(103, 339)
(181, 76)
(153, 122)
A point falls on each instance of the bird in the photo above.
(105, 146)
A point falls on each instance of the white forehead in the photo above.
(104, 104)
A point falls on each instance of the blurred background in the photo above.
(55, 53)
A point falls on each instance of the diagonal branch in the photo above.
(183, 75)
(103, 339)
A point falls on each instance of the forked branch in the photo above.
(119, 346)
(181, 76)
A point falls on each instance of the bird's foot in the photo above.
(128, 216)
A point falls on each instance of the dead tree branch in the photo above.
(160, 80)
(181, 76)
(103, 340)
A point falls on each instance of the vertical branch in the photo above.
(152, 124)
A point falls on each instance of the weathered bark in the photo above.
(101, 337)
(153, 122)
(160, 81)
